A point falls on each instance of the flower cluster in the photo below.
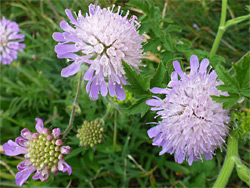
(43, 153)
(192, 123)
(101, 39)
(10, 41)
(90, 133)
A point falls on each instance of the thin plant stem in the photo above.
(228, 166)
(221, 29)
(71, 120)
(115, 133)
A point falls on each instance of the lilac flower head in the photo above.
(43, 153)
(10, 41)
(101, 39)
(192, 123)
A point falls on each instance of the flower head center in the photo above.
(44, 151)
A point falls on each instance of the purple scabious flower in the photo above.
(10, 41)
(101, 39)
(192, 123)
(43, 153)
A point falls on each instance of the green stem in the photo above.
(221, 29)
(228, 166)
(71, 120)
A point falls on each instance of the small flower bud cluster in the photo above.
(90, 133)
(45, 151)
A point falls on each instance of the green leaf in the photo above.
(226, 88)
(242, 170)
(236, 20)
(173, 28)
(225, 77)
(176, 167)
(138, 84)
(152, 45)
(140, 4)
(139, 106)
(228, 101)
(158, 76)
(168, 43)
(242, 70)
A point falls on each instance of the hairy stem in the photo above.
(71, 120)
(228, 166)
(221, 29)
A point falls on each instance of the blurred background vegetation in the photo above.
(32, 87)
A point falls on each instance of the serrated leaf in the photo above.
(246, 93)
(242, 70)
(173, 28)
(158, 76)
(139, 106)
(152, 45)
(242, 170)
(168, 43)
(226, 88)
(228, 101)
(138, 84)
(225, 77)
(140, 4)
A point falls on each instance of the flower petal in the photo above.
(24, 164)
(111, 88)
(64, 167)
(194, 64)
(203, 66)
(21, 141)
(71, 17)
(153, 132)
(39, 125)
(58, 37)
(89, 74)
(120, 93)
(56, 132)
(178, 69)
(25, 133)
(104, 89)
(70, 70)
(65, 48)
(65, 149)
(23, 175)
(11, 148)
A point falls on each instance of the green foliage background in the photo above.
(32, 87)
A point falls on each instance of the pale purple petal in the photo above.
(65, 26)
(70, 70)
(178, 69)
(153, 132)
(194, 64)
(11, 148)
(89, 74)
(24, 164)
(179, 158)
(56, 132)
(23, 175)
(65, 150)
(94, 90)
(203, 66)
(65, 48)
(159, 90)
(21, 141)
(153, 102)
(25, 133)
(39, 125)
(71, 17)
(111, 88)
(58, 37)
(64, 167)
(120, 93)
(104, 89)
